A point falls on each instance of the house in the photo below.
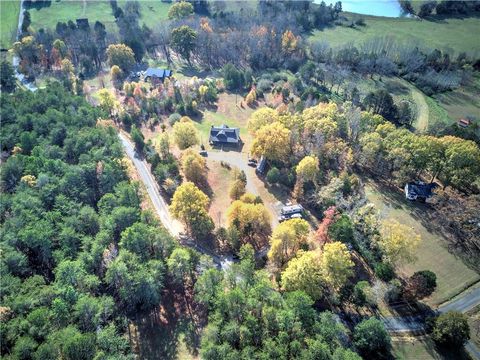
(156, 75)
(224, 135)
(464, 123)
(419, 190)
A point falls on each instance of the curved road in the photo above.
(463, 303)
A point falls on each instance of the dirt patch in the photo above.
(220, 179)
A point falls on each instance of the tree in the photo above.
(287, 238)
(421, 284)
(252, 220)
(238, 187)
(273, 142)
(138, 139)
(184, 133)
(262, 117)
(336, 264)
(304, 273)
(180, 265)
(194, 167)
(7, 77)
(107, 101)
(342, 230)
(381, 102)
(371, 338)
(232, 77)
(180, 10)
(426, 8)
(117, 76)
(189, 205)
(398, 242)
(359, 296)
(273, 175)
(307, 168)
(451, 329)
(183, 41)
(122, 56)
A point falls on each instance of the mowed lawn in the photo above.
(229, 112)
(421, 348)
(49, 16)
(9, 11)
(455, 34)
(453, 275)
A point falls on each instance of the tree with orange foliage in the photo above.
(321, 235)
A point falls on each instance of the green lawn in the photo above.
(9, 11)
(454, 34)
(47, 17)
(421, 349)
(453, 275)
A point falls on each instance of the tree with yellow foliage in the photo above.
(252, 220)
(184, 133)
(190, 205)
(121, 55)
(194, 167)
(286, 240)
(262, 117)
(251, 97)
(336, 264)
(304, 273)
(398, 242)
(107, 101)
(289, 41)
(273, 142)
(180, 10)
(307, 170)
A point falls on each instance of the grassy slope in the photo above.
(452, 274)
(47, 17)
(422, 349)
(9, 11)
(455, 34)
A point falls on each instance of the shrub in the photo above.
(172, 119)
(264, 85)
(451, 329)
(384, 271)
(273, 175)
(371, 338)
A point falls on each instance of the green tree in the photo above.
(342, 230)
(232, 77)
(371, 338)
(451, 329)
(273, 175)
(122, 56)
(183, 39)
(7, 77)
(180, 10)
(138, 139)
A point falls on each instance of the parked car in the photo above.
(252, 163)
(283, 218)
(203, 153)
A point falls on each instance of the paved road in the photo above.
(173, 226)
(16, 60)
(393, 324)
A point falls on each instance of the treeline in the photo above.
(79, 256)
(442, 8)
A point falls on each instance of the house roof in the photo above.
(224, 134)
(464, 122)
(420, 189)
(158, 73)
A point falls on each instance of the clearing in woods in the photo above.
(453, 276)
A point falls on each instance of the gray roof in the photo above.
(156, 72)
(420, 189)
(224, 134)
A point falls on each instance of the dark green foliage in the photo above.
(78, 255)
(273, 175)
(451, 329)
(233, 77)
(7, 77)
(342, 230)
(248, 319)
(371, 339)
(384, 271)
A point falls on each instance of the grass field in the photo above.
(452, 274)
(449, 34)
(9, 11)
(47, 17)
(226, 113)
(421, 349)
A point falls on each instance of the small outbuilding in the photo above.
(464, 123)
(224, 135)
(419, 190)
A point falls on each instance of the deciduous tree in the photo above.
(287, 238)
(336, 264)
(273, 142)
(398, 242)
(184, 133)
(122, 56)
